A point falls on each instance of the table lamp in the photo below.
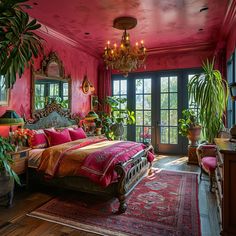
(11, 118)
(90, 121)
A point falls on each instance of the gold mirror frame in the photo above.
(45, 73)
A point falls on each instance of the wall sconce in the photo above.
(87, 86)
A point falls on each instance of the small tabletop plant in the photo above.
(188, 121)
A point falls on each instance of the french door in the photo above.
(158, 99)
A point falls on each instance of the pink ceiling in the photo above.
(161, 23)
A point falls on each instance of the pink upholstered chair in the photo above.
(207, 161)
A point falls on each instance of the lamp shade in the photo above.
(91, 116)
(10, 117)
(233, 91)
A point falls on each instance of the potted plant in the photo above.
(7, 175)
(119, 115)
(18, 41)
(189, 126)
(210, 93)
(98, 123)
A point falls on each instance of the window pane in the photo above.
(164, 101)
(164, 117)
(65, 89)
(139, 101)
(139, 132)
(139, 118)
(53, 90)
(123, 86)
(164, 134)
(139, 86)
(164, 84)
(173, 84)
(173, 135)
(147, 85)
(123, 105)
(147, 118)
(147, 102)
(116, 87)
(173, 118)
(173, 101)
(147, 135)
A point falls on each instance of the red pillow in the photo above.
(77, 134)
(57, 137)
(38, 140)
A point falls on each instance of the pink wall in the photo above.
(76, 63)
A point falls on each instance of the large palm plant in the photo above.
(210, 92)
(18, 42)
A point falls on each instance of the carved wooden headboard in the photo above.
(53, 115)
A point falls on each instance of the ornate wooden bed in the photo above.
(54, 116)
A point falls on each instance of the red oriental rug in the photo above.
(164, 203)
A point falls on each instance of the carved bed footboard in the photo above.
(130, 174)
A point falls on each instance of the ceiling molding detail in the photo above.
(182, 48)
(53, 33)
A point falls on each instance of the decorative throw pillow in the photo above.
(57, 137)
(38, 140)
(77, 134)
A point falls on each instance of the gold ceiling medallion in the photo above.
(125, 58)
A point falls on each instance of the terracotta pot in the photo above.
(194, 135)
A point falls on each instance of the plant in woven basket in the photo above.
(18, 41)
(210, 93)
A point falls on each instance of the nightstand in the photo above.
(20, 158)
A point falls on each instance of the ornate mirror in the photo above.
(49, 84)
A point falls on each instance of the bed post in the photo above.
(121, 191)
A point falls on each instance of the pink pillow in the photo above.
(77, 134)
(38, 140)
(57, 137)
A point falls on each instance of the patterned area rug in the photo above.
(163, 203)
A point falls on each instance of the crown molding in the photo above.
(182, 48)
(44, 29)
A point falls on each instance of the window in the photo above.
(50, 89)
(191, 103)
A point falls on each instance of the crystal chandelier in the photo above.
(125, 58)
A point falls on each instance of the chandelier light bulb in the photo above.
(126, 57)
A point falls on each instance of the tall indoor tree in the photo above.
(18, 41)
(210, 92)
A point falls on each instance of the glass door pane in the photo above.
(143, 106)
(167, 129)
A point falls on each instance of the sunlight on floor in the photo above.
(176, 162)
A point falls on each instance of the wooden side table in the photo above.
(192, 155)
(20, 158)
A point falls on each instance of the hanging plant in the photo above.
(210, 92)
(18, 42)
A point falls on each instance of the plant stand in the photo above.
(192, 155)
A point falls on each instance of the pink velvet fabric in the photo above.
(209, 163)
(38, 140)
(57, 137)
(77, 134)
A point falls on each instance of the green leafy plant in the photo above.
(6, 159)
(210, 92)
(119, 114)
(18, 42)
(188, 121)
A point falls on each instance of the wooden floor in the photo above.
(14, 222)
